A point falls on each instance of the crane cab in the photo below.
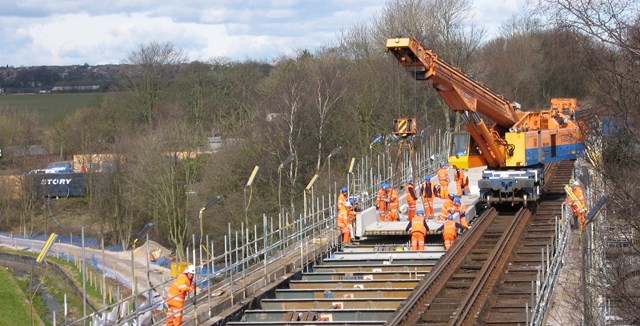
(462, 152)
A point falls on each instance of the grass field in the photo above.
(53, 108)
(14, 309)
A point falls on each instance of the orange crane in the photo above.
(517, 144)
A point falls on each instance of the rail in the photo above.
(229, 277)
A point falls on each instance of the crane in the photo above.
(515, 146)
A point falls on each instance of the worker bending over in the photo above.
(443, 177)
(450, 231)
(447, 209)
(428, 192)
(419, 229)
(176, 295)
(412, 197)
(461, 209)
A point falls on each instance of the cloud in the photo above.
(38, 32)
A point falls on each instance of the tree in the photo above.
(153, 67)
(612, 26)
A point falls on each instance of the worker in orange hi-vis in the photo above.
(447, 209)
(392, 204)
(344, 223)
(458, 177)
(461, 209)
(579, 213)
(450, 231)
(419, 229)
(176, 295)
(342, 198)
(465, 184)
(443, 177)
(428, 191)
(381, 201)
(411, 197)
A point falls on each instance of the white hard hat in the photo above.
(404, 209)
(190, 270)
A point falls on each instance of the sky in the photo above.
(68, 32)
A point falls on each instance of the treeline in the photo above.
(344, 94)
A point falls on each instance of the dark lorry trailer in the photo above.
(58, 185)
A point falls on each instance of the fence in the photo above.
(250, 254)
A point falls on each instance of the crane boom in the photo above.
(515, 147)
(457, 90)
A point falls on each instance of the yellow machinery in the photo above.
(515, 146)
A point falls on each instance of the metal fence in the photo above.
(249, 252)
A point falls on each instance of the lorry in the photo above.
(516, 144)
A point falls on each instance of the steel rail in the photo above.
(443, 270)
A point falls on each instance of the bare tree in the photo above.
(612, 27)
(153, 68)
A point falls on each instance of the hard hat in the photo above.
(410, 180)
(386, 186)
(343, 189)
(189, 270)
(420, 213)
(442, 164)
(457, 201)
(451, 196)
(427, 178)
(404, 209)
(352, 201)
(450, 217)
(576, 183)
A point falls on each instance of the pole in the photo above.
(84, 280)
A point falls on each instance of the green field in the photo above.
(53, 108)
(15, 311)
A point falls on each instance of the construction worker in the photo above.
(465, 184)
(419, 229)
(577, 211)
(450, 231)
(447, 209)
(176, 295)
(342, 198)
(428, 192)
(461, 209)
(459, 177)
(392, 204)
(381, 201)
(412, 197)
(344, 223)
(443, 177)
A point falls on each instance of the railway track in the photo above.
(491, 276)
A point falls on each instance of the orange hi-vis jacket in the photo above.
(443, 176)
(458, 176)
(417, 224)
(449, 229)
(381, 200)
(343, 219)
(392, 199)
(580, 194)
(178, 291)
(448, 208)
(342, 199)
(462, 210)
